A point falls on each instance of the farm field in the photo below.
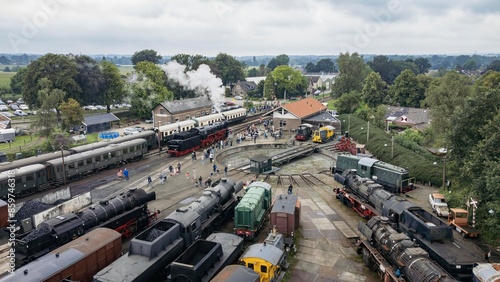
(5, 79)
(124, 70)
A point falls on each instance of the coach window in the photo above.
(105, 157)
(363, 167)
(29, 177)
(124, 151)
(89, 160)
(97, 158)
(113, 154)
(250, 265)
(138, 147)
(71, 165)
(193, 226)
(80, 163)
(263, 269)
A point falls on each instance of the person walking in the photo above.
(211, 157)
(179, 167)
(203, 159)
(161, 177)
(171, 169)
(125, 174)
(164, 176)
(290, 189)
(150, 181)
(215, 168)
(119, 174)
(225, 170)
(200, 181)
(187, 175)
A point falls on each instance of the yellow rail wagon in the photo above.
(324, 134)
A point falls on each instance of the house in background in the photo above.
(405, 117)
(179, 110)
(242, 88)
(97, 123)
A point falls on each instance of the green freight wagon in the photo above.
(251, 211)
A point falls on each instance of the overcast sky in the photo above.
(250, 27)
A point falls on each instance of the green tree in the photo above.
(348, 103)
(385, 67)
(352, 71)
(423, 65)
(16, 82)
(230, 69)
(72, 113)
(6, 69)
(494, 66)
(325, 65)
(374, 90)
(311, 67)
(470, 65)
(90, 80)
(60, 71)
(404, 91)
(289, 80)
(262, 70)
(280, 60)
(150, 90)
(148, 55)
(192, 62)
(113, 90)
(48, 115)
(269, 88)
(444, 96)
(253, 72)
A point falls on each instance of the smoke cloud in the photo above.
(202, 81)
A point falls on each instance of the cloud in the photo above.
(249, 27)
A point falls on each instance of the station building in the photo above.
(179, 110)
(309, 110)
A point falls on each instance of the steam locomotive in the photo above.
(401, 251)
(152, 251)
(126, 213)
(432, 234)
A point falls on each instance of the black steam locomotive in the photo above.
(433, 235)
(152, 251)
(126, 213)
(413, 262)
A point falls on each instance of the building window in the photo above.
(162, 111)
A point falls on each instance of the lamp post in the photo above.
(444, 172)
(63, 165)
(159, 139)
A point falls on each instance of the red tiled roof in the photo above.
(305, 107)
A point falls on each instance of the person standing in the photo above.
(119, 174)
(179, 167)
(487, 256)
(200, 181)
(161, 177)
(203, 159)
(215, 168)
(225, 170)
(187, 175)
(290, 189)
(125, 174)
(171, 169)
(211, 157)
(150, 181)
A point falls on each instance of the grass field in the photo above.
(5, 79)
(126, 69)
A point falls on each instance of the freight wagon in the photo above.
(78, 260)
(236, 273)
(285, 215)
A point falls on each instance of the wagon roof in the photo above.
(367, 161)
(236, 273)
(285, 204)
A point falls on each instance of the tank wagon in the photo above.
(77, 260)
(236, 273)
(126, 213)
(268, 259)
(413, 262)
(394, 178)
(285, 215)
(33, 176)
(205, 258)
(250, 213)
(432, 234)
(152, 251)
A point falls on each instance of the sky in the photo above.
(251, 27)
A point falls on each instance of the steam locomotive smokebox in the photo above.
(260, 164)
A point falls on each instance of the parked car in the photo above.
(7, 114)
(99, 107)
(130, 130)
(23, 107)
(4, 108)
(89, 108)
(149, 121)
(20, 113)
(438, 204)
(238, 97)
(13, 107)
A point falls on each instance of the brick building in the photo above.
(180, 110)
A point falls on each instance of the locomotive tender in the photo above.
(125, 213)
(394, 178)
(401, 251)
(432, 234)
(152, 251)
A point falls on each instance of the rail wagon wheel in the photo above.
(367, 258)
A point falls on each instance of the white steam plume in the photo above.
(202, 81)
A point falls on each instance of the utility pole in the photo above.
(392, 147)
(368, 132)
(159, 139)
(63, 165)
(444, 172)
